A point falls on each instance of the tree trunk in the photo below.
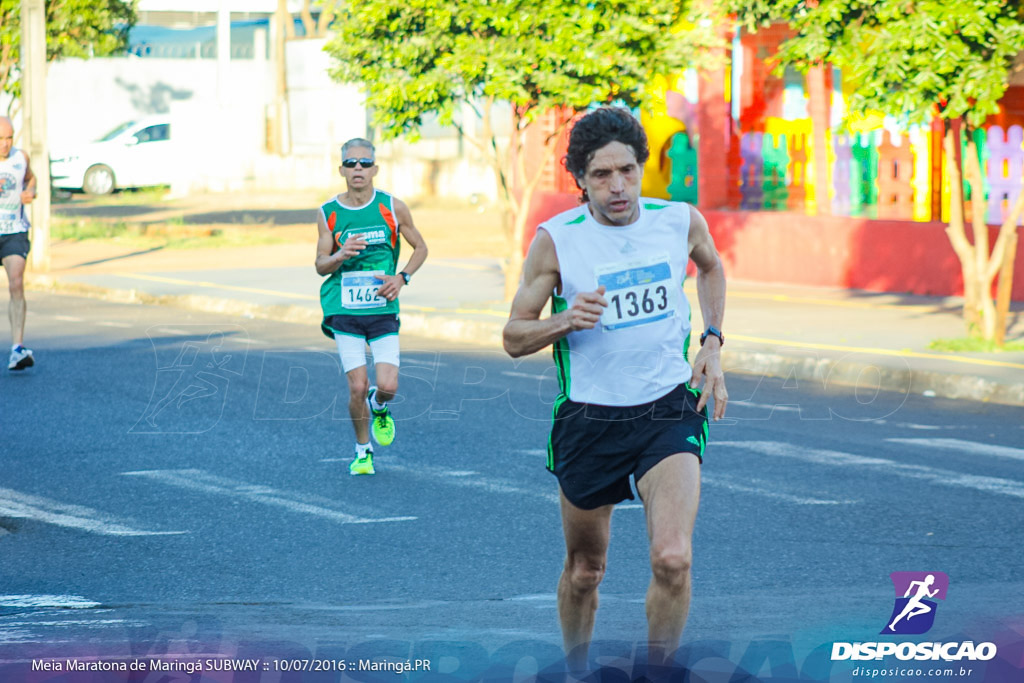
(986, 310)
(307, 20)
(1004, 255)
(1005, 286)
(956, 230)
(326, 16)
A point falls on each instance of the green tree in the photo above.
(915, 60)
(74, 28)
(512, 58)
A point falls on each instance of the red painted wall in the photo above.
(829, 251)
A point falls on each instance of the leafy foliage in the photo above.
(908, 58)
(427, 56)
(74, 28)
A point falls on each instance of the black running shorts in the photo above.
(594, 449)
(15, 244)
(369, 327)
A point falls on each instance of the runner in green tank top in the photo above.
(360, 234)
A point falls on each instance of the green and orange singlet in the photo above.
(351, 289)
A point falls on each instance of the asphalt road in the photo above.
(177, 482)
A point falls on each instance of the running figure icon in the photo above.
(915, 606)
(916, 594)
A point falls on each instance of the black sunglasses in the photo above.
(351, 163)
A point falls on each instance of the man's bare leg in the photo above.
(386, 379)
(671, 494)
(16, 308)
(358, 410)
(586, 545)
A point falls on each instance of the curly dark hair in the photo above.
(595, 130)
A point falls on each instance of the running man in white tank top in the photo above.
(630, 403)
(17, 188)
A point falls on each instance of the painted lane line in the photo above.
(482, 483)
(291, 295)
(113, 324)
(783, 408)
(729, 484)
(965, 447)
(533, 451)
(214, 285)
(25, 506)
(197, 480)
(527, 375)
(61, 601)
(932, 475)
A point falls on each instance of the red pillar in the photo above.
(819, 108)
(713, 146)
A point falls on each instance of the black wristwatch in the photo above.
(405, 276)
(712, 330)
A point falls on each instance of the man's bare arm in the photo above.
(29, 193)
(707, 365)
(326, 262)
(525, 332)
(393, 284)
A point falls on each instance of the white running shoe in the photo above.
(21, 358)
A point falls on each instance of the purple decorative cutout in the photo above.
(1004, 170)
(751, 171)
(843, 144)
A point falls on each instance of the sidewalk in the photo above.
(808, 334)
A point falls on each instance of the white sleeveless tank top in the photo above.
(12, 183)
(637, 352)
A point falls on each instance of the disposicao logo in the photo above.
(913, 614)
(914, 611)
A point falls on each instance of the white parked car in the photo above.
(135, 154)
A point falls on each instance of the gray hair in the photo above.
(358, 142)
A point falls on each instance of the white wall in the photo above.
(223, 139)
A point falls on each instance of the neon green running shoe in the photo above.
(363, 465)
(382, 425)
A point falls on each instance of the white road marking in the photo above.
(784, 408)
(730, 485)
(107, 323)
(933, 475)
(532, 451)
(921, 428)
(483, 483)
(25, 506)
(197, 480)
(62, 601)
(172, 330)
(965, 447)
(527, 375)
(69, 318)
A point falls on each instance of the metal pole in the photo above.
(33, 94)
(223, 52)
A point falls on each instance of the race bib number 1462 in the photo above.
(359, 290)
(638, 293)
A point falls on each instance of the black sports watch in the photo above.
(405, 276)
(712, 330)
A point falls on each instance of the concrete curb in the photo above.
(824, 371)
(874, 376)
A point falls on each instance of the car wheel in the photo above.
(99, 179)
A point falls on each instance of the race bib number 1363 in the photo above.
(638, 293)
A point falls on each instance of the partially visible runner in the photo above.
(629, 403)
(17, 188)
(358, 250)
